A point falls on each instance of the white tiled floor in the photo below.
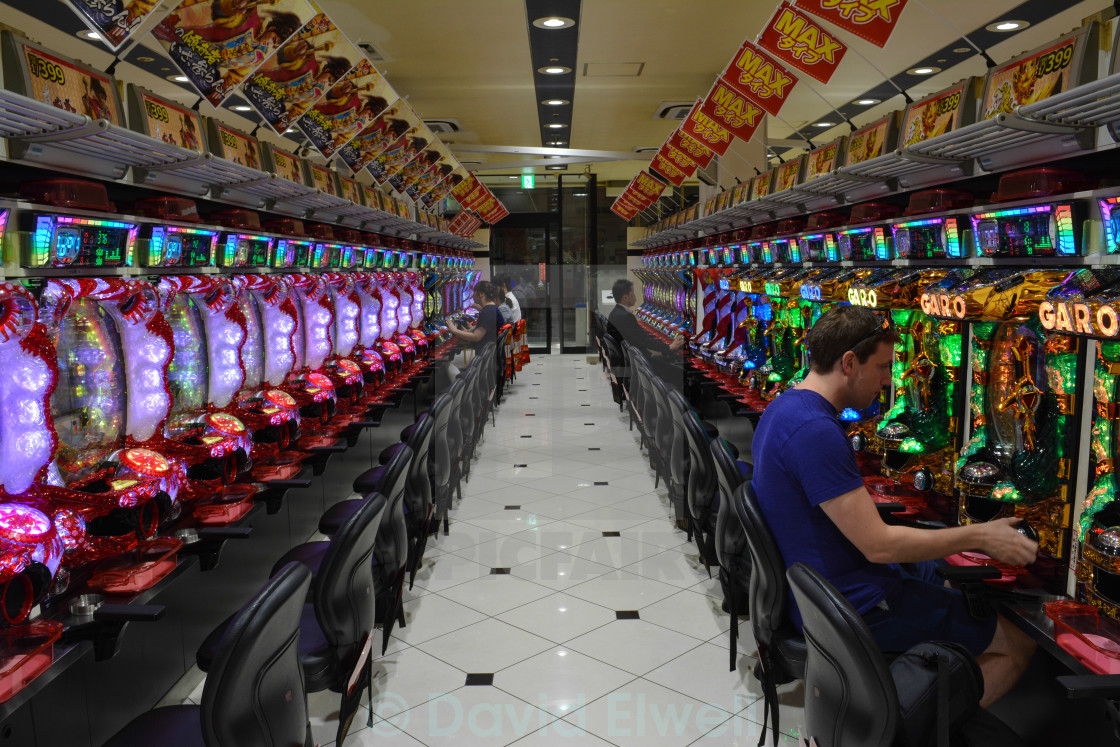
(565, 669)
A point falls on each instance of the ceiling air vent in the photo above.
(373, 53)
(647, 149)
(673, 110)
(443, 126)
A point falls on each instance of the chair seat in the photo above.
(173, 726)
(790, 653)
(368, 481)
(391, 451)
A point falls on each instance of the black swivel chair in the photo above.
(850, 694)
(254, 694)
(781, 648)
(701, 486)
(731, 541)
(339, 614)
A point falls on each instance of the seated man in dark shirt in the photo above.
(624, 326)
(811, 491)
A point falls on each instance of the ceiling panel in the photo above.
(471, 61)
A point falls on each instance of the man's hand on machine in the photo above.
(678, 342)
(1003, 542)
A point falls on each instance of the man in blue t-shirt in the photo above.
(810, 489)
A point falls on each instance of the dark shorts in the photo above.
(922, 609)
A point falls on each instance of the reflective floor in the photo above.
(564, 607)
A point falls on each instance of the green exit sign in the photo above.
(527, 181)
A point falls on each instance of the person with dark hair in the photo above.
(623, 325)
(509, 307)
(489, 319)
(810, 489)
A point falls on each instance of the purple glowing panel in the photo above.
(187, 374)
(26, 444)
(279, 328)
(252, 352)
(346, 313)
(370, 317)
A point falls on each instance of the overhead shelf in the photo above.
(1004, 132)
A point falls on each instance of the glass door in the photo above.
(523, 247)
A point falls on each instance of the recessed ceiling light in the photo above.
(556, 126)
(554, 70)
(1005, 26)
(579, 194)
(867, 102)
(924, 70)
(554, 22)
(511, 177)
(243, 108)
(555, 102)
(825, 124)
(556, 168)
(179, 78)
(89, 35)
(145, 58)
(962, 50)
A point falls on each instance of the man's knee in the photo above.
(1010, 640)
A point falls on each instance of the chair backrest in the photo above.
(392, 538)
(344, 592)
(442, 456)
(850, 696)
(254, 693)
(418, 486)
(731, 540)
(395, 476)
(769, 595)
(703, 488)
(615, 357)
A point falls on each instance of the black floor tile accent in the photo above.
(589, 424)
(624, 615)
(480, 679)
(499, 571)
(612, 534)
(600, 482)
(526, 436)
(520, 465)
(587, 405)
(513, 508)
(530, 414)
(592, 448)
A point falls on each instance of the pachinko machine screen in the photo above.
(89, 402)
(292, 253)
(171, 246)
(1034, 231)
(245, 250)
(65, 241)
(819, 247)
(931, 238)
(861, 244)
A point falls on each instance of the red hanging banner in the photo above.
(648, 186)
(732, 111)
(706, 131)
(673, 165)
(798, 40)
(623, 210)
(758, 75)
(873, 20)
(699, 153)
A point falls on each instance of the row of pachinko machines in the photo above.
(1005, 393)
(159, 370)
